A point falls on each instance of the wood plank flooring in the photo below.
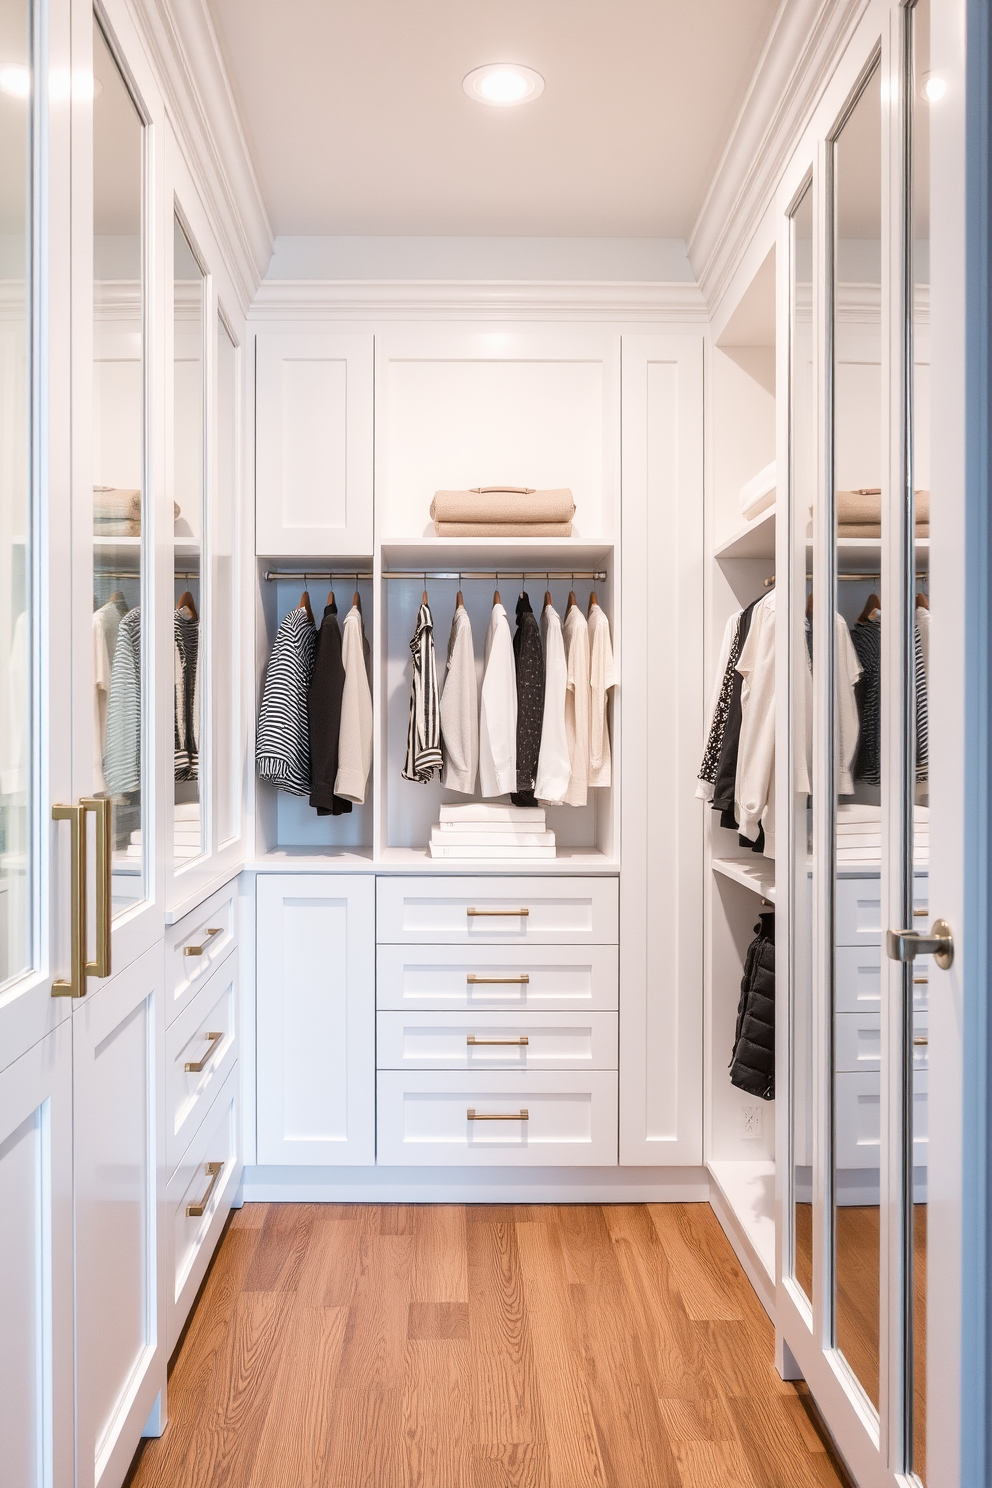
(449, 1346)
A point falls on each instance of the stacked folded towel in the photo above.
(859, 835)
(116, 512)
(491, 832)
(503, 511)
(859, 513)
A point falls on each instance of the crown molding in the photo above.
(805, 42)
(184, 49)
(364, 299)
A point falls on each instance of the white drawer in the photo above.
(570, 1120)
(542, 978)
(204, 1034)
(192, 1237)
(858, 909)
(858, 971)
(858, 1041)
(197, 942)
(473, 1041)
(480, 911)
(856, 1119)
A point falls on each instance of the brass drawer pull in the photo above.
(522, 980)
(497, 913)
(920, 1040)
(516, 1043)
(194, 1067)
(195, 1211)
(921, 981)
(920, 914)
(473, 1115)
(192, 950)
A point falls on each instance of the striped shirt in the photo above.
(282, 742)
(423, 738)
(122, 756)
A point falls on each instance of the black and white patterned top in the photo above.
(867, 639)
(423, 739)
(528, 655)
(282, 741)
(186, 747)
(122, 754)
(711, 755)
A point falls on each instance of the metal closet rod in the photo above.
(134, 573)
(458, 574)
(855, 578)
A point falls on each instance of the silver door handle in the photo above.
(906, 945)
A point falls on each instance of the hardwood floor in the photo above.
(448, 1346)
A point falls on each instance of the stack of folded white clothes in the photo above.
(758, 494)
(859, 835)
(859, 513)
(491, 832)
(187, 833)
(503, 511)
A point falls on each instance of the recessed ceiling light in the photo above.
(503, 84)
(16, 81)
(935, 88)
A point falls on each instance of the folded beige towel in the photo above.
(112, 504)
(502, 504)
(874, 529)
(502, 529)
(110, 527)
(866, 506)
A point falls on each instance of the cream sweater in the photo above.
(575, 630)
(355, 737)
(460, 709)
(553, 767)
(498, 714)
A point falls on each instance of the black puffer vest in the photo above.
(752, 1064)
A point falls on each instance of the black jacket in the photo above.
(752, 1065)
(529, 657)
(324, 714)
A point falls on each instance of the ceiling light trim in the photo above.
(503, 84)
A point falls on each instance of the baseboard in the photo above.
(292, 1185)
(752, 1264)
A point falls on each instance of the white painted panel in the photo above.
(505, 1040)
(566, 977)
(117, 424)
(512, 910)
(313, 410)
(199, 942)
(857, 1104)
(571, 1118)
(858, 1041)
(858, 978)
(193, 1039)
(858, 908)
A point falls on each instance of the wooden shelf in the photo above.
(756, 539)
(758, 874)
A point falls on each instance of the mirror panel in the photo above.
(224, 593)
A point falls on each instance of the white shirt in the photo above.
(847, 672)
(553, 768)
(575, 631)
(460, 709)
(355, 733)
(754, 787)
(601, 678)
(498, 711)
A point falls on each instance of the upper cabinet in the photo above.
(313, 443)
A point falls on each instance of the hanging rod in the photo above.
(274, 574)
(456, 575)
(135, 573)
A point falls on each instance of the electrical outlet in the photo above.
(750, 1121)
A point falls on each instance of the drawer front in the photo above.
(553, 1118)
(480, 1041)
(858, 1041)
(858, 971)
(197, 942)
(204, 1034)
(540, 978)
(857, 1117)
(858, 908)
(493, 911)
(192, 1237)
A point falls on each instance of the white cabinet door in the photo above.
(36, 1265)
(121, 1355)
(313, 443)
(316, 1018)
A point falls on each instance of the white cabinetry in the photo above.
(315, 959)
(313, 443)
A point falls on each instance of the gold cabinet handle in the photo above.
(920, 1040)
(921, 981)
(920, 914)
(522, 980)
(516, 1043)
(195, 1067)
(102, 808)
(195, 1211)
(75, 986)
(194, 950)
(496, 913)
(473, 1115)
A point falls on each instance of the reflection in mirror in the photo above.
(118, 468)
(856, 688)
(223, 593)
(188, 492)
(16, 744)
(802, 413)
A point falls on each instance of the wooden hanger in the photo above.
(547, 598)
(592, 601)
(871, 603)
(330, 597)
(186, 602)
(356, 598)
(304, 604)
(496, 598)
(459, 601)
(922, 601)
(572, 601)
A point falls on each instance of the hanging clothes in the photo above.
(528, 658)
(754, 784)
(14, 734)
(719, 709)
(324, 696)
(725, 774)
(866, 638)
(553, 767)
(498, 710)
(122, 758)
(752, 1062)
(106, 624)
(282, 742)
(575, 632)
(921, 704)
(355, 740)
(848, 680)
(186, 631)
(460, 708)
(423, 739)
(602, 678)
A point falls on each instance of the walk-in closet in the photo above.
(494, 745)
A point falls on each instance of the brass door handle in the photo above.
(497, 913)
(473, 1115)
(515, 1043)
(195, 1211)
(102, 808)
(906, 945)
(75, 985)
(511, 981)
(195, 1067)
(198, 950)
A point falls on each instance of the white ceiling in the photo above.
(357, 123)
